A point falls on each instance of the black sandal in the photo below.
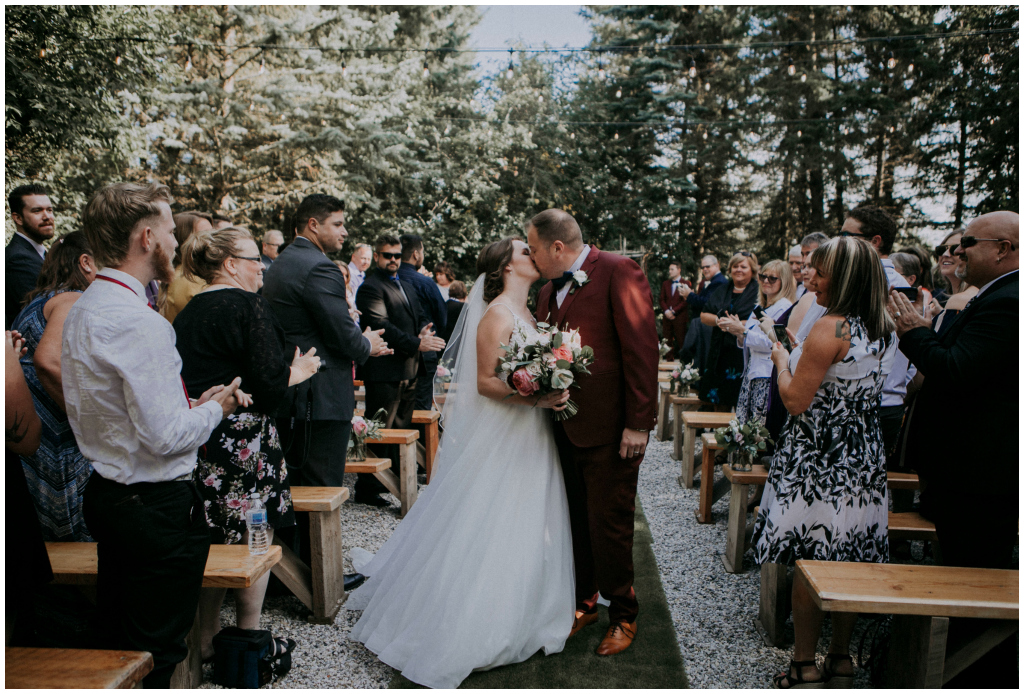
(279, 646)
(797, 681)
(829, 676)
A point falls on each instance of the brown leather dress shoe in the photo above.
(618, 638)
(581, 620)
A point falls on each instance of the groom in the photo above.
(607, 297)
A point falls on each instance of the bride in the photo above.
(479, 573)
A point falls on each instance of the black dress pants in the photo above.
(153, 543)
(398, 399)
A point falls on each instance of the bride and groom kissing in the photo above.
(526, 520)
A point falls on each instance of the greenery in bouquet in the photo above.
(664, 349)
(750, 439)
(549, 362)
(683, 378)
(366, 428)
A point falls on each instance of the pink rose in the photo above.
(523, 383)
(359, 427)
(563, 352)
(442, 372)
(675, 374)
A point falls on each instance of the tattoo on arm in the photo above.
(843, 330)
(16, 434)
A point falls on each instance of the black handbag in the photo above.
(242, 659)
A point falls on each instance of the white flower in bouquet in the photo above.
(535, 370)
(561, 379)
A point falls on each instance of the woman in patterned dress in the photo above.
(57, 472)
(826, 496)
(229, 329)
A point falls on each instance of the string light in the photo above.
(344, 69)
(188, 64)
(509, 73)
(693, 69)
(572, 136)
(42, 52)
(117, 60)
(263, 66)
(447, 129)
(252, 106)
(792, 68)
(540, 99)
(616, 136)
(426, 70)
(707, 86)
(618, 94)
(705, 135)
(803, 77)
(910, 68)
(987, 58)
(891, 62)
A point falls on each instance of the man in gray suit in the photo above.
(307, 292)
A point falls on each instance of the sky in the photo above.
(504, 26)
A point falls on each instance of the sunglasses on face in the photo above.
(944, 248)
(968, 241)
(744, 253)
(850, 233)
(390, 256)
(767, 279)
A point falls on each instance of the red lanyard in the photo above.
(111, 279)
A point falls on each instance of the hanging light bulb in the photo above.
(252, 106)
(117, 60)
(692, 72)
(263, 65)
(803, 77)
(616, 136)
(426, 70)
(509, 73)
(447, 129)
(792, 68)
(891, 62)
(529, 135)
(987, 58)
(618, 94)
(707, 86)
(799, 133)
(572, 136)
(705, 135)
(188, 64)
(540, 99)
(344, 69)
(910, 68)
(600, 71)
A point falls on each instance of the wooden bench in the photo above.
(70, 668)
(661, 431)
(320, 587)
(680, 404)
(686, 426)
(708, 494)
(668, 365)
(431, 437)
(921, 600)
(228, 566)
(404, 485)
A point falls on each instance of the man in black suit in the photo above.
(272, 242)
(431, 304)
(32, 214)
(389, 302)
(698, 335)
(962, 431)
(456, 302)
(307, 293)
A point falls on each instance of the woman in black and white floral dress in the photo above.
(826, 495)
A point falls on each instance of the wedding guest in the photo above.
(349, 296)
(927, 276)
(136, 425)
(271, 247)
(457, 295)
(388, 301)
(57, 471)
(796, 268)
(825, 498)
(32, 215)
(675, 313)
(28, 565)
(806, 303)
(948, 303)
(179, 290)
(432, 307)
(229, 331)
(362, 258)
(219, 221)
(908, 265)
(775, 295)
(443, 278)
(698, 336)
(722, 374)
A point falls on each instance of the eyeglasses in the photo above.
(706, 267)
(767, 279)
(968, 241)
(257, 259)
(942, 249)
(850, 233)
(390, 256)
(748, 254)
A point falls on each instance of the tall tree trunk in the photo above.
(961, 173)
(876, 188)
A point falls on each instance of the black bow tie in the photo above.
(560, 282)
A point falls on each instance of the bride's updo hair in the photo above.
(493, 260)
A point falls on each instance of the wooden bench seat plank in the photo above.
(228, 566)
(370, 466)
(66, 668)
(933, 591)
(902, 480)
(399, 437)
(318, 499)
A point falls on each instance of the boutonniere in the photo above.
(579, 278)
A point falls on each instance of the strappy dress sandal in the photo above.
(828, 674)
(279, 646)
(797, 681)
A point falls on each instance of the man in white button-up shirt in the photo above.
(133, 420)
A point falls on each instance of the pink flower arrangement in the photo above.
(563, 352)
(359, 426)
(524, 383)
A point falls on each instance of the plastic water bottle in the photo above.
(256, 522)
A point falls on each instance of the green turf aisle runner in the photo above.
(652, 662)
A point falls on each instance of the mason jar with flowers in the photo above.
(743, 443)
(683, 380)
(364, 428)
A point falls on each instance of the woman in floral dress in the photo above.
(826, 496)
(226, 331)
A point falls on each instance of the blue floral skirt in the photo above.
(243, 456)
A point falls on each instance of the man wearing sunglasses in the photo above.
(698, 336)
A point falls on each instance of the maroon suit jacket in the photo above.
(672, 302)
(614, 313)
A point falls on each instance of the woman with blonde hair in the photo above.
(180, 290)
(776, 293)
(946, 305)
(722, 374)
(229, 329)
(825, 498)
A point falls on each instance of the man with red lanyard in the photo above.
(133, 420)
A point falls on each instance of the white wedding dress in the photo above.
(479, 573)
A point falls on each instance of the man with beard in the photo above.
(134, 421)
(32, 214)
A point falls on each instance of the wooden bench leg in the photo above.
(188, 674)
(983, 637)
(677, 432)
(735, 540)
(431, 438)
(707, 483)
(917, 652)
(328, 569)
(688, 454)
(664, 405)
(407, 477)
(294, 573)
(773, 607)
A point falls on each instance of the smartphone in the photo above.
(909, 292)
(781, 336)
(759, 313)
(723, 313)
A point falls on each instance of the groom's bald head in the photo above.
(557, 225)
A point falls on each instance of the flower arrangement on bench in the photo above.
(364, 428)
(683, 380)
(743, 443)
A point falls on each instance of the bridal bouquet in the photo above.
(684, 378)
(364, 428)
(544, 364)
(743, 442)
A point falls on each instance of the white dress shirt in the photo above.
(40, 248)
(355, 278)
(757, 348)
(564, 291)
(444, 291)
(126, 402)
